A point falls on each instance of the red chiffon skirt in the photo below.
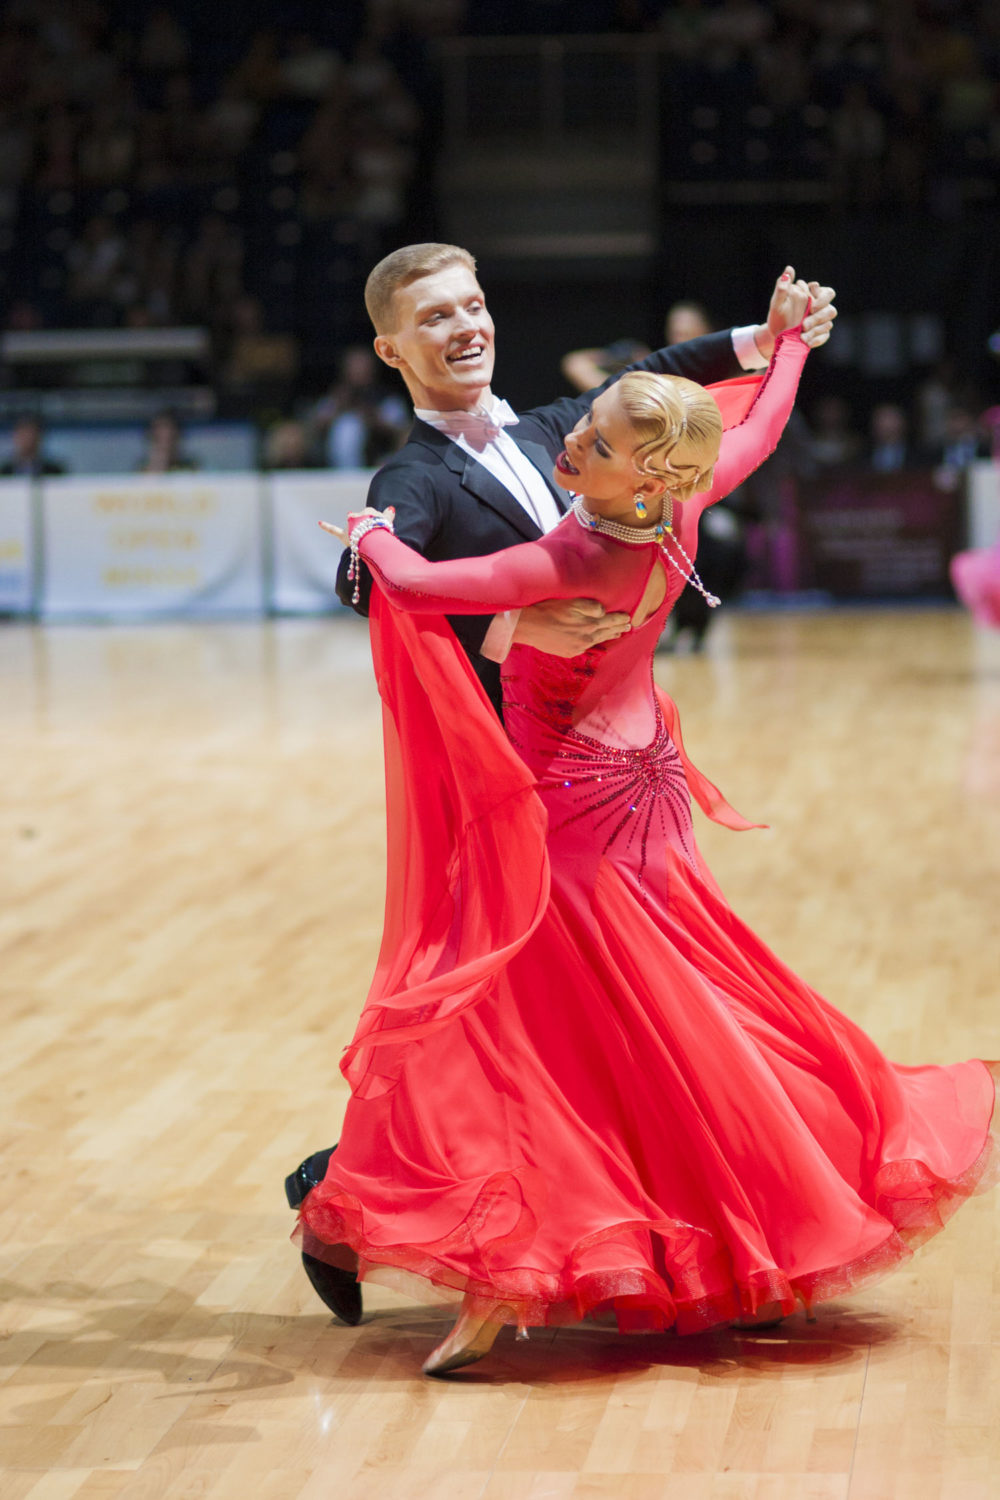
(581, 1084)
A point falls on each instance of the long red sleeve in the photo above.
(473, 585)
(752, 440)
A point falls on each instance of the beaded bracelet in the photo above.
(369, 523)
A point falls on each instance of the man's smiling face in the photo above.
(442, 340)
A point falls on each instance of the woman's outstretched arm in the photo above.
(745, 446)
(510, 579)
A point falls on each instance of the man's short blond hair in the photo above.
(399, 269)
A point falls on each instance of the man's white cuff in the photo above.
(745, 348)
(500, 636)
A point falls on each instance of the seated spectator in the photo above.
(890, 448)
(833, 443)
(308, 70)
(358, 423)
(229, 123)
(258, 358)
(95, 263)
(963, 442)
(23, 316)
(258, 73)
(858, 142)
(935, 397)
(108, 148)
(286, 446)
(28, 456)
(163, 46)
(211, 275)
(164, 454)
(587, 368)
(18, 130)
(686, 320)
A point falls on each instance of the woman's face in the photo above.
(598, 460)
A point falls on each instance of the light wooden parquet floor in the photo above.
(191, 824)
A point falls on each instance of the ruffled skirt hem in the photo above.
(914, 1203)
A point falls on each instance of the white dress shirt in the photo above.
(481, 434)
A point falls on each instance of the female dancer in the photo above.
(976, 580)
(580, 1083)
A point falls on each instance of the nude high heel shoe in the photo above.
(472, 1337)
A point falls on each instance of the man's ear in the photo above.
(387, 352)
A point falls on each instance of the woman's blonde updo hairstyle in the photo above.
(665, 410)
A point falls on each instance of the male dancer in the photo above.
(473, 478)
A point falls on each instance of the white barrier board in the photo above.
(170, 544)
(984, 503)
(305, 558)
(16, 547)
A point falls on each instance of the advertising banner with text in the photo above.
(16, 547)
(881, 535)
(150, 545)
(984, 504)
(305, 558)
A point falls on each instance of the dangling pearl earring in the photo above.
(640, 507)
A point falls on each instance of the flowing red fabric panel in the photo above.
(707, 795)
(460, 804)
(735, 397)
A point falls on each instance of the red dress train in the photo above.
(580, 1083)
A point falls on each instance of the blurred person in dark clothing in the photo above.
(686, 320)
(359, 424)
(833, 443)
(586, 368)
(258, 358)
(164, 454)
(890, 448)
(964, 440)
(286, 446)
(28, 456)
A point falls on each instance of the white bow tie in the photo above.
(477, 427)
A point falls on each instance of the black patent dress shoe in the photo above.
(336, 1289)
(307, 1175)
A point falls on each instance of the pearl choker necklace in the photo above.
(638, 536)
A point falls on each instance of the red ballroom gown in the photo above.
(580, 1084)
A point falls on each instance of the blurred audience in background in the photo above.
(287, 446)
(833, 441)
(890, 448)
(586, 368)
(164, 448)
(358, 424)
(162, 165)
(686, 320)
(28, 458)
(257, 360)
(964, 440)
(159, 165)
